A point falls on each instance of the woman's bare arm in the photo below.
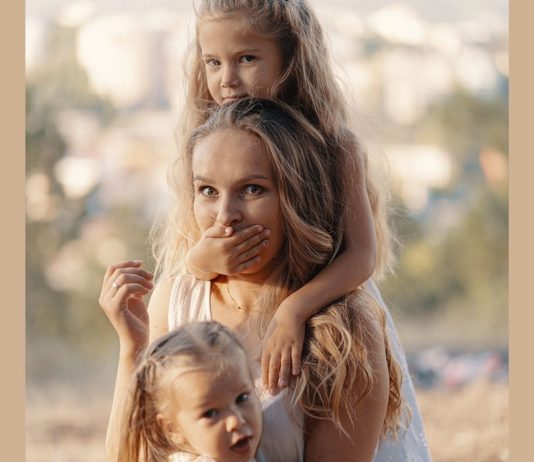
(151, 328)
(325, 442)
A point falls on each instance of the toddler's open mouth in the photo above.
(243, 444)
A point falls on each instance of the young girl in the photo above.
(275, 49)
(193, 392)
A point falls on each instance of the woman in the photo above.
(259, 162)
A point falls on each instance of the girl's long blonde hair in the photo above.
(307, 84)
(144, 435)
(311, 209)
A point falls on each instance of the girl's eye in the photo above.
(253, 189)
(247, 59)
(212, 413)
(243, 397)
(207, 191)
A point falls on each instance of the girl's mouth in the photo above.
(243, 445)
(229, 99)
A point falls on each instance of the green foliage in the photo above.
(463, 269)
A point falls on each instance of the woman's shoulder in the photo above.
(175, 301)
(188, 300)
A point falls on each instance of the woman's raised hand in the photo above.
(223, 251)
(124, 287)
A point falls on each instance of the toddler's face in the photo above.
(219, 415)
(238, 62)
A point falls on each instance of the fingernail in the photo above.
(267, 232)
(228, 230)
(137, 262)
(282, 384)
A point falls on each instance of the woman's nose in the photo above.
(230, 77)
(228, 213)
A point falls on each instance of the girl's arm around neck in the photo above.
(352, 267)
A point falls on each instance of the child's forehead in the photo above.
(205, 383)
(235, 18)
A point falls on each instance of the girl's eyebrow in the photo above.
(243, 180)
(240, 51)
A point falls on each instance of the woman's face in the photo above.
(234, 186)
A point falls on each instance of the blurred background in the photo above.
(429, 79)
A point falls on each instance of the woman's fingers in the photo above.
(244, 256)
(252, 241)
(128, 290)
(123, 264)
(218, 231)
(122, 278)
(245, 265)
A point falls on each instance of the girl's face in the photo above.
(234, 186)
(238, 62)
(219, 415)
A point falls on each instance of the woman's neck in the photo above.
(243, 290)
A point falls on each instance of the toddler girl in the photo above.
(192, 392)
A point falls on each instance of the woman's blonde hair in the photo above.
(144, 435)
(311, 205)
(308, 84)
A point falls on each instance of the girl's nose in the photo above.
(234, 420)
(228, 213)
(230, 78)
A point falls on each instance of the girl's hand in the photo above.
(282, 349)
(221, 251)
(125, 284)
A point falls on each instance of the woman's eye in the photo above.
(207, 191)
(212, 62)
(242, 398)
(212, 413)
(247, 59)
(253, 189)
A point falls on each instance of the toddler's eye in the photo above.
(207, 191)
(210, 414)
(253, 189)
(247, 59)
(243, 397)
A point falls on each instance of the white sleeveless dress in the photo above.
(283, 439)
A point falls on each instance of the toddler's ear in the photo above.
(171, 431)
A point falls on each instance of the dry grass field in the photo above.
(468, 424)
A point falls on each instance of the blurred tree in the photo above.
(60, 83)
(463, 270)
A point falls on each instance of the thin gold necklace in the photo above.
(237, 306)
